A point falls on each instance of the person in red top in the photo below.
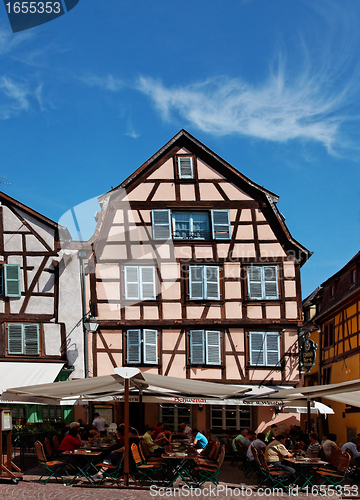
(70, 442)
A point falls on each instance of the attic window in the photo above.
(185, 167)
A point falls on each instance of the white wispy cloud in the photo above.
(17, 97)
(108, 82)
(10, 41)
(309, 91)
(276, 110)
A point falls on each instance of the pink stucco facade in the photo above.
(250, 238)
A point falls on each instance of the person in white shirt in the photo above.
(186, 431)
(329, 444)
(99, 424)
(354, 446)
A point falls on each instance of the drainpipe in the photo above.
(82, 256)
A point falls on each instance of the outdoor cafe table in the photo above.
(305, 469)
(82, 461)
(181, 461)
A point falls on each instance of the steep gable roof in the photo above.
(267, 199)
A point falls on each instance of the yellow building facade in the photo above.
(332, 318)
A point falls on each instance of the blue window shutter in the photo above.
(147, 283)
(185, 167)
(150, 346)
(161, 224)
(212, 282)
(131, 278)
(31, 340)
(254, 279)
(12, 280)
(272, 348)
(221, 228)
(197, 347)
(213, 348)
(15, 338)
(133, 344)
(196, 285)
(257, 348)
(270, 282)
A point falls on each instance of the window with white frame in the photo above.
(141, 346)
(140, 282)
(185, 167)
(262, 282)
(204, 283)
(10, 284)
(185, 225)
(23, 339)
(205, 347)
(172, 415)
(228, 417)
(264, 348)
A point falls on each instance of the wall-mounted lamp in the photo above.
(200, 407)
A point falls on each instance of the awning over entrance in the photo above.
(301, 407)
(22, 374)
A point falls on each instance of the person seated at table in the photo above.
(200, 440)
(239, 437)
(354, 446)
(275, 452)
(75, 425)
(250, 436)
(186, 431)
(70, 442)
(314, 447)
(259, 445)
(158, 428)
(270, 435)
(153, 447)
(115, 456)
(164, 436)
(329, 444)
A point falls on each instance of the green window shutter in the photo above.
(197, 347)
(272, 348)
(196, 286)
(221, 227)
(257, 348)
(131, 278)
(150, 347)
(133, 344)
(15, 338)
(254, 279)
(147, 283)
(213, 348)
(185, 167)
(12, 280)
(161, 224)
(212, 283)
(31, 340)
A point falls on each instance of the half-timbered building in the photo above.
(194, 274)
(40, 305)
(332, 317)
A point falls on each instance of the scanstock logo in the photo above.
(28, 14)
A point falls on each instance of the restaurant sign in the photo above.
(307, 352)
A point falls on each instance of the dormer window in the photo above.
(185, 167)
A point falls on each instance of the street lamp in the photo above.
(90, 325)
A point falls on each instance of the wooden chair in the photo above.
(147, 471)
(203, 473)
(53, 467)
(275, 475)
(110, 471)
(48, 448)
(337, 476)
(146, 456)
(55, 443)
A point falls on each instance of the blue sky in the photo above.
(271, 86)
